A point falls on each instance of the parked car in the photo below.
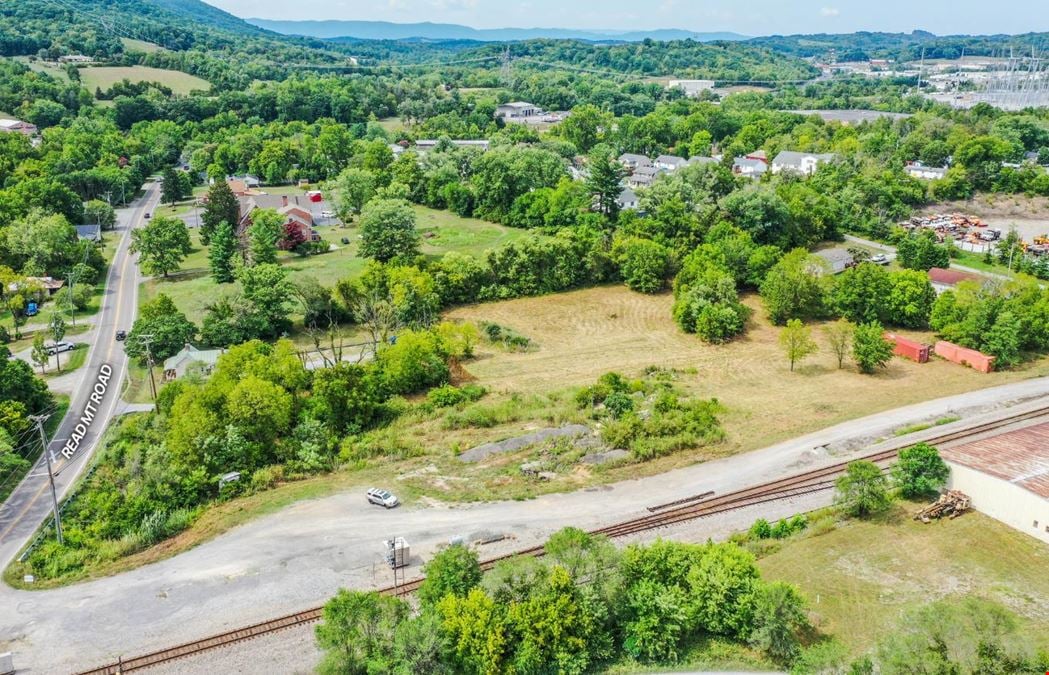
(121, 335)
(382, 498)
(880, 259)
(147, 215)
(327, 214)
(60, 347)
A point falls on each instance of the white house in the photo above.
(692, 88)
(838, 259)
(517, 110)
(670, 162)
(1007, 477)
(800, 162)
(632, 161)
(177, 365)
(627, 200)
(749, 168)
(643, 176)
(919, 170)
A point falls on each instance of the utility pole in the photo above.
(39, 419)
(147, 340)
(507, 67)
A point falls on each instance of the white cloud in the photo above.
(830, 11)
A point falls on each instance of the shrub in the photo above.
(448, 395)
(414, 362)
(619, 404)
(266, 477)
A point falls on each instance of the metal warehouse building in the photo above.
(1007, 477)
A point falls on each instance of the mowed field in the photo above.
(192, 287)
(861, 577)
(104, 77)
(583, 334)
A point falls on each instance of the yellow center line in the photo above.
(109, 354)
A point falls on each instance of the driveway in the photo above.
(299, 557)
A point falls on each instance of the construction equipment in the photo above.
(952, 504)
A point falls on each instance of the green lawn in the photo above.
(192, 288)
(862, 576)
(976, 261)
(141, 46)
(104, 77)
(76, 359)
(53, 69)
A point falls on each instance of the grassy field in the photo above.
(50, 68)
(141, 46)
(583, 334)
(862, 576)
(393, 124)
(104, 77)
(192, 288)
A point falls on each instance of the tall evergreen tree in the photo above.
(605, 182)
(222, 207)
(267, 228)
(221, 251)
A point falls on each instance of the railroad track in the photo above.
(672, 513)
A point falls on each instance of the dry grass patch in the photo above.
(583, 334)
(861, 577)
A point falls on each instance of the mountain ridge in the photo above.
(385, 30)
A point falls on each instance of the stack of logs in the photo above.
(952, 504)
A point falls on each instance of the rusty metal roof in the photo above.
(1020, 457)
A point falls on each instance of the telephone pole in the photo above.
(147, 340)
(39, 419)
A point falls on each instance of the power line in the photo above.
(39, 419)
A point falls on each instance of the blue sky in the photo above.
(753, 17)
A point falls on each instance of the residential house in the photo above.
(749, 168)
(643, 176)
(517, 111)
(670, 162)
(17, 127)
(838, 259)
(943, 280)
(759, 155)
(303, 211)
(628, 200)
(177, 366)
(75, 59)
(800, 162)
(692, 88)
(632, 162)
(919, 170)
(89, 232)
(36, 285)
(243, 185)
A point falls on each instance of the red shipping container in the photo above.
(966, 357)
(315, 196)
(909, 349)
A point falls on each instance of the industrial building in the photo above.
(1007, 477)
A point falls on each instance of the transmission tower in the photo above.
(508, 68)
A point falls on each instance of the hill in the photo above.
(384, 30)
(900, 46)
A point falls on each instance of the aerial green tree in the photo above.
(721, 587)
(860, 293)
(388, 230)
(357, 632)
(921, 251)
(268, 289)
(221, 252)
(16, 304)
(605, 181)
(797, 343)
(98, 212)
(57, 327)
(585, 127)
(353, 189)
(173, 188)
(162, 245)
(454, 571)
(862, 490)
(839, 338)
(264, 234)
(644, 264)
(39, 353)
(1005, 340)
(920, 471)
(222, 207)
(870, 349)
(796, 287)
(169, 328)
(779, 621)
(476, 632)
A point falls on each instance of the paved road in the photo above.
(891, 253)
(299, 557)
(30, 504)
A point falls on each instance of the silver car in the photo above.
(382, 498)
